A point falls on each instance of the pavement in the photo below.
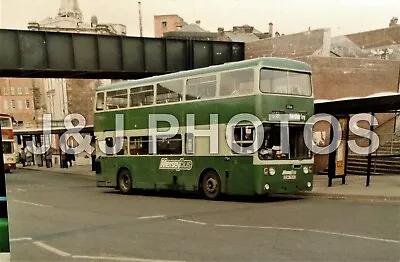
(381, 187)
(60, 217)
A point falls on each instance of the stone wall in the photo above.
(81, 95)
(335, 78)
(313, 42)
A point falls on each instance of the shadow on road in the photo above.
(224, 198)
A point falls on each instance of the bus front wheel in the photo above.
(211, 185)
(125, 182)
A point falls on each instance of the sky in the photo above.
(288, 16)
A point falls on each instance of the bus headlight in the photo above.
(309, 184)
(271, 171)
(266, 187)
(305, 170)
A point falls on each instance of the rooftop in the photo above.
(280, 63)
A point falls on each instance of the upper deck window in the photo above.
(5, 122)
(142, 96)
(100, 102)
(201, 87)
(170, 92)
(285, 82)
(240, 82)
(117, 99)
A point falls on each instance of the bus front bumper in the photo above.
(287, 188)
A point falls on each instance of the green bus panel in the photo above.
(4, 236)
(225, 108)
(238, 174)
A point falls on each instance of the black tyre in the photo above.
(211, 185)
(125, 182)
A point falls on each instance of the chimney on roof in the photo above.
(271, 29)
(94, 21)
(393, 21)
(277, 34)
(221, 30)
(248, 29)
(198, 22)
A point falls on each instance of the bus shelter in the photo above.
(342, 109)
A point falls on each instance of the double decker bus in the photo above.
(7, 135)
(267, 88)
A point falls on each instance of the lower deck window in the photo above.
(169, 146)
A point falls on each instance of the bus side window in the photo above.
(142, 96)
(109, 144)
(169, 146)
(189, 142)
(170, 92)
(201, 87)
(124, 149)
(244, 137)
(100, 102)
(139, 145)
(240, 82)
(117, 99)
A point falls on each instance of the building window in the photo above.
(164, 24)
(19, 104)
(6, 91)
(27, 90)
(5, 104)
(19, 90)
(27, 104)
(13, 104)
(12, 90)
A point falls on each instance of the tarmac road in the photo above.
(56, 217)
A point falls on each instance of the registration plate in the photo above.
(289, 177)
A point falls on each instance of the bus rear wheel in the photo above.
(211, 185)
(125, 182)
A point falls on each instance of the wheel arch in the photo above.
(122, 168)
(203, 173)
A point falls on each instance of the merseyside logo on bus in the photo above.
(177, 165)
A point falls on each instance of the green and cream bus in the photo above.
(267, 88)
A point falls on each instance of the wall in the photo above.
(81, 95)
(172, 22)
(17, 98)
(295, 45)
(56, 98)
(376, 38)
(335, 78)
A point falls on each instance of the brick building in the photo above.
(16, 99)
(167, 23)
